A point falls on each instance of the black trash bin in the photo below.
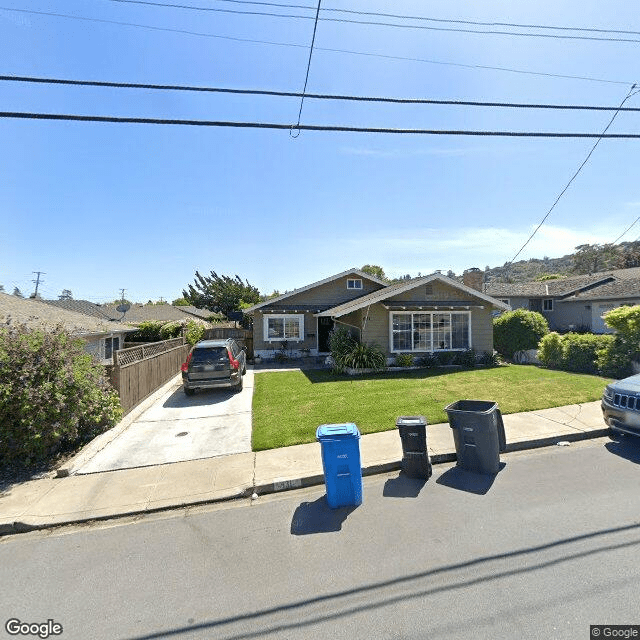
(415, 457)
(478, 433)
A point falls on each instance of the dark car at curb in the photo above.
(621, 406)
(214, 364)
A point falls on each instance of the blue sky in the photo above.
(102, 207)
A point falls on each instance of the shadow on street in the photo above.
(403, 487)
(627, 447)
(463, 480)
(318, 517)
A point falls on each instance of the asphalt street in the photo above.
(544, 549)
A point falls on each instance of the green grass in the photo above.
(289, 406)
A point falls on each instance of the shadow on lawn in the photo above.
(325, 375)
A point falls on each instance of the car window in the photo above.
(209, 355)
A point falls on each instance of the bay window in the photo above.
(430, 330)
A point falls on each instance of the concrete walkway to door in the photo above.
(171, 427)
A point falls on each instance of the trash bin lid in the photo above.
(331, 431)
(471, 406)
(411, 421)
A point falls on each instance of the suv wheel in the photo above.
(239, 386)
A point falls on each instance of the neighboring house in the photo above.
(102, 336)
(576, 302)
(139, 313)
(419, 316)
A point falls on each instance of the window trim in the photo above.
(451, 313)
(544, 304)
(282, 316)
(354, 281)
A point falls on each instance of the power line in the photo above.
(306, 79)
(404, 26)
(402, 16)
(575, 175)
(309, 127)
(315, 96)
(326, 49)
(626, 230)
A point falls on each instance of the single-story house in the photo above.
(576, 302)
(102, 337)
(424, 315)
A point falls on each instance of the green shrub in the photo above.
(445, 358)
(579, 352)
(53, 395)
(614, 358)
(550, 350)
(171, 330)
(489, 359)
(348, 353)
(146, 332)
(466, 359)
(429, 361)
(404, 360)
(518, 330)
(365, 356)
(193, 332)
(341, 343)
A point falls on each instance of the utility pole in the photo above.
(37, 281)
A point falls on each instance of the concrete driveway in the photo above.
(175, 428)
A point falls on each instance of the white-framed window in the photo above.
(354, 283)
(547, 304)
(505, 300)
(430, 330)
(283, 327)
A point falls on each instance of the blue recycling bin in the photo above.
(340, 445)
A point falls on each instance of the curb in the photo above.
(297, 483)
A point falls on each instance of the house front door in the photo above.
(325, 325)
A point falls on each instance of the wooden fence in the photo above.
(244, 337)
(139, 371)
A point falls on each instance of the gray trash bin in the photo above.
(478, 433)
(415, 457)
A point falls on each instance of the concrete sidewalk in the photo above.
(49, 502)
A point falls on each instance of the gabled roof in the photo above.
(149, 312)
(83, 306)
(348, 272)
(401, 287)
(38, 315)
(615, 283)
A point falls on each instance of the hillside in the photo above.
(586, 259)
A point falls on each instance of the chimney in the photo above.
(473, 278)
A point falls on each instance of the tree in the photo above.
(591, 258)
(375, 271)
(18, 293)
(1, 288)
(180, 302)
(221, 293)
(65, 295)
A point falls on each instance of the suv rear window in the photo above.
(213, 354)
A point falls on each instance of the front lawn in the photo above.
(289, 406)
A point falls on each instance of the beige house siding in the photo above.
(376, 327)
(329, 294)
(332, 293)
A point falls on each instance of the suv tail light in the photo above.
(185, 365)
(232, 361)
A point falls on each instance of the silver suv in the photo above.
(212, 364)
(621, 406)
